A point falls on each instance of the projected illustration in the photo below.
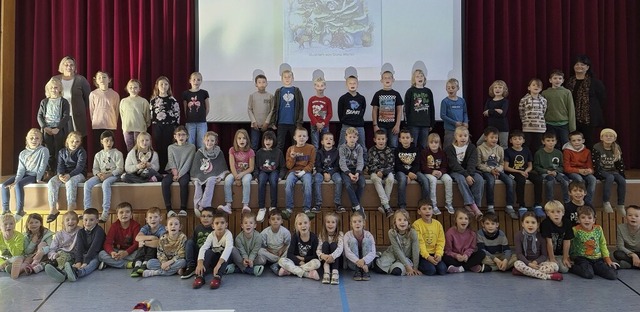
(316, 30)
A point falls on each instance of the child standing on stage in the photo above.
(531, 250)
(241, 162)
(461, 250)
(288, 106)
(196, 109)
(381, 166)
(260, 108)
(435, 166)
(360, 248)
(103, 107)
(171, 251)
(532, 108)
(108, 166)
(608, 165)
(53, 118)
(301, 257)
(208, 168)
(320, 111)
(270, 168)
(419, 109)
(330, 247)
(165, 117)
(179, 162)
(431, 240)
(403, 258)
(453, 111)
(72, 162)
(495, 110)
(387, 108)
(142, 164)
(135, 114)
(32, 163)
(463, 159)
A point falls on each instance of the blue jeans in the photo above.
(490, 184)
(317, 188)
(355, 190)
(256, 136)
(19, 187)
(419, 135)
(549, 183)
(191, 253)
(609, 178)
(402, 179)
(589, 181)
(470, 194)
(196, 133)
(392, 139)
(562, 134)
(316, 136)
(307, 182)
(155, 264)
(272, 179)
(106, 191)
(427, 268)
(91, 266)
(71, 186)
(120, 264)
(246, 188)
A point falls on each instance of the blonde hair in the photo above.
(413, 77)
(553, 205)
(433, 137)
(286, 71)
(211, 133)
(324, 234)
(459, 212)
(460, 129)
(198, 74)
(66, 59)
(401, 212)
(53, 81)
(5, 217)
(235, 140)
(142, 135)
(454, 81)
(71, 135)
(299, 218)
(72, 214)
(132, 81)
(152, 210)
(615, 147)
(352, 131)
(156, 91)
(499, 83)
(29, 133)
(320, 80)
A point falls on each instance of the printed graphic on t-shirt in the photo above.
(304, 249)
(107, 163)
(519, 163)
(193, 104)
(492, 161)
(387, 109)
(555, 163)
(268, 165)
(354, 108)
(287, 97)
(433, 163)
(205, 165)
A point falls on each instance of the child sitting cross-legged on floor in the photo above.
(171, 252)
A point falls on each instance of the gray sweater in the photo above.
(248, 247)
(208, 164)
(351, 158)
(180, 157)
(32, 162)
(626, 242)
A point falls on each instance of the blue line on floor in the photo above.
(343, 296)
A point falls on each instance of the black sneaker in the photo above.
(315, 209)
(309, 214)
(388, 212)
(357, 276)
(286, 213)
(340, 209)
(366, 276)
(101, 266)
(188, 273)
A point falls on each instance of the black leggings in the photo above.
(184, 190)
(536, 180)
(474, 259)
(146, 253)
(329, 248)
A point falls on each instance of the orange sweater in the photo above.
(574, 160)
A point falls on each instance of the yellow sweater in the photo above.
(430, 237)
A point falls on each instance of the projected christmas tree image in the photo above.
(331, 23)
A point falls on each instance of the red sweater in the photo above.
(573, 160)
(319, 110)
(122, 239)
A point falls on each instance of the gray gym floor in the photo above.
(114, 290)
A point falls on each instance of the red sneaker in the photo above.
(516, 272)
(198, 282)
(555, 276)
(215, 282)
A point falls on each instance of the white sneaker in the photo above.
(182, 213)
(272, 209)
(261, 214)
(246, 209)
(621, 210)
(171, 213)
(607, 207)
(226, 208)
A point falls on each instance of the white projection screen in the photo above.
(239, 36)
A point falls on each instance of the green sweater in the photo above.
(589, 244)
(560, 108)
(544, 161)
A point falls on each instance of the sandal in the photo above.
(326, 278)
(53, 217)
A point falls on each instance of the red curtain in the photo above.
(140, 39)
(518, 40)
